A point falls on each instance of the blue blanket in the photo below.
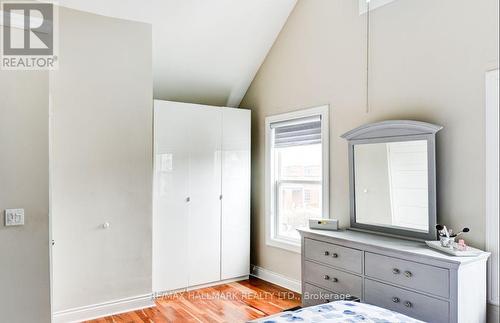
(341, 311)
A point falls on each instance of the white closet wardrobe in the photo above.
(201, 220)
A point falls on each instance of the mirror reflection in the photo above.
(391, 184)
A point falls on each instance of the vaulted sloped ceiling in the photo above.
(204, 51)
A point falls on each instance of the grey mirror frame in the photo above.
(391, 131)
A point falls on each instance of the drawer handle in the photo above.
(395, 300)
(395, 271)
(335, 280)
(327, 253)
(326, 277)
(335, 255)
(408, 274)
(408, 304)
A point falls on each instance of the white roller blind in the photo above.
(297, 132)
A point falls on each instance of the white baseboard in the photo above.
(277, 279)
(90, 312)
(195, 287)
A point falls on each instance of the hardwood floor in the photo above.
(234, 302)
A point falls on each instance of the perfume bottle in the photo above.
(461, 245)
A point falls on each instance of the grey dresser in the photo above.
(400, 275)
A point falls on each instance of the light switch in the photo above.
(14, 217)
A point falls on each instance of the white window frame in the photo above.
(492, 185)
(270, 189)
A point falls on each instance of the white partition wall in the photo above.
(201, 221)
(100, 169)
(492, 184)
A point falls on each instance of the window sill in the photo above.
(284, 244)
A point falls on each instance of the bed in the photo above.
(340, 311)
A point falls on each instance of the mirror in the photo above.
(391, 188)
(392, 178)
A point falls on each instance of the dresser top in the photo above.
(391, 243)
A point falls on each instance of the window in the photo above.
(296, 173)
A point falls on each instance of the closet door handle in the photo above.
(395, 300)
(335, 255)
(188, 199)
(395, 271)
(408, 274)
(408, 304)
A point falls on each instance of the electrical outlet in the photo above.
(14, 217)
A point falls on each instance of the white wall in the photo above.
(24, 183)
(428, 62)
(208, 52)
(135, 10)
(205, 52)
(101, 160)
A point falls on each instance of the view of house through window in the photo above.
(299, 189)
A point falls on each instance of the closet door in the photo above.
(170, 209)
(204, 191)
(236, 193)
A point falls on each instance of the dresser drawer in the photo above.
(415, 305)
(314, 295)
(334, 255)
(332, 279)
(420, 277)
